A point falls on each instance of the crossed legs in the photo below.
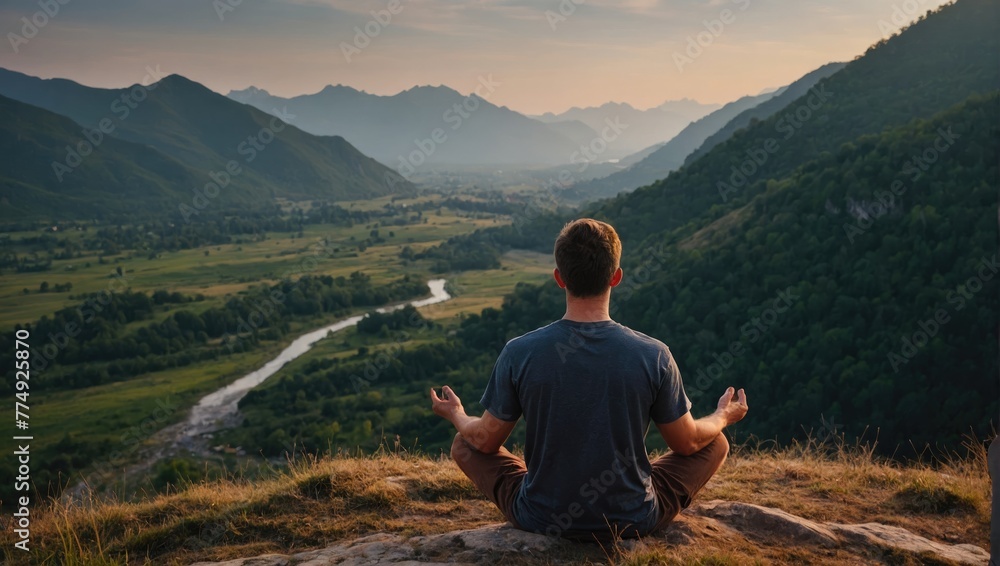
(676, 479)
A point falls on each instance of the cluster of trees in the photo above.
(406, 318)
(360, 401)
(532, 229)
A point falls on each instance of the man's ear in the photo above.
(558, 278)
(617, 277)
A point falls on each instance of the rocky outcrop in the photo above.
(721, 520)
(755, 521)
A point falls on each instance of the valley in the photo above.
(230, 291)
(115, 423)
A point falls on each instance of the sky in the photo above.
(544, 55)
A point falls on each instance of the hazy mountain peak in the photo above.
(430, 89)
(338, 89)
(180, 81)
(249, 91)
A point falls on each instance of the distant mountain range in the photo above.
(396, 129)
(699, 137)
(644, 127)
(192, 134)
(426, 125)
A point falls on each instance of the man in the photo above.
(588, 387)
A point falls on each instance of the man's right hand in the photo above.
(733, 410)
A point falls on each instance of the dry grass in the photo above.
(316, 502)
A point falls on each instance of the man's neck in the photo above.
(591, 309)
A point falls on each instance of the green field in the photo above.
(218, 271)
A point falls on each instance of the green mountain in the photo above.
(116, 180)
(936, 63)
(862, 288)
(215, 136)
(769, 107)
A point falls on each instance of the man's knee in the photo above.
(723, 443)
(720, 448)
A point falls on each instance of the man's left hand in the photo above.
(448, 406)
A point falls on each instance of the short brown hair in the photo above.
(587, 254)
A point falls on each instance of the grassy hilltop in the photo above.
(327, 501)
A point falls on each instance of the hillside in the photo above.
(121, 178)
(820, 503)
(769, 107)
(475, 130)
(934, 64)
(210, 134)
(862, 269)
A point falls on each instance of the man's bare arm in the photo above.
(687, 435)
(486, 434)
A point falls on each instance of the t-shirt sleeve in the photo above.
(671, 401)
(500, 397)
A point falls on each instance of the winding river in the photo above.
(219, 409)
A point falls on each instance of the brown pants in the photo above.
(676, 479)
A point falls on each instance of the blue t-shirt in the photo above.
(587, 392)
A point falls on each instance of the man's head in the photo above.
(587, 254)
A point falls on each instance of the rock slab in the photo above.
(501, 543)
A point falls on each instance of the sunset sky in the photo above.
(546, 55)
